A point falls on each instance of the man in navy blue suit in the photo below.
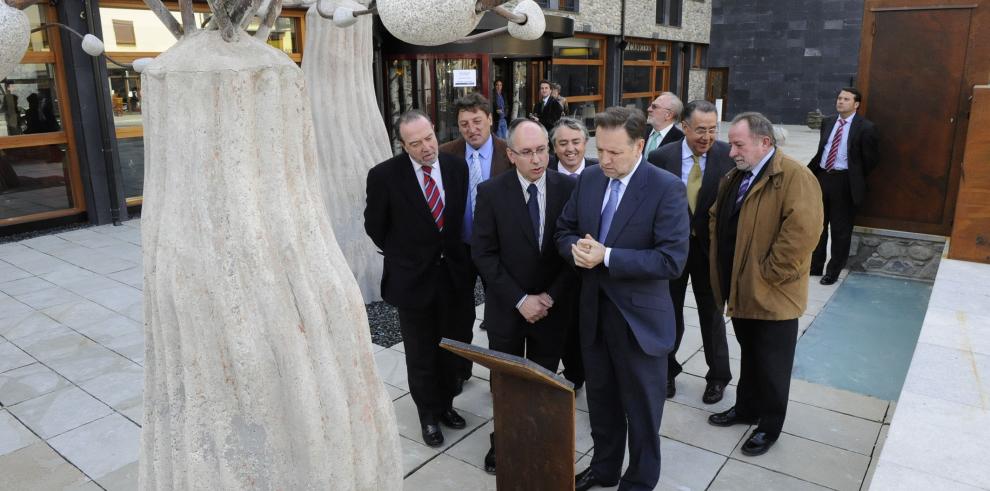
(625, 230)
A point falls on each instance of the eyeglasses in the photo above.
(710, 131)
(658, 106)
(529, 153)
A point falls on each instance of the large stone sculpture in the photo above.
(353, 137)
(259, 372)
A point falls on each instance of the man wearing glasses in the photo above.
(661, 116)
(700, 161)
(529, 287)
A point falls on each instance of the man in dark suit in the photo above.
(547, 110)
(847, 153)
(529, 287)
(569, 140)
(661, 119)
(414, 213)
(625, 229)
(700, 161)
(486, 158)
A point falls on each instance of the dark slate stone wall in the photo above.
(785, 57)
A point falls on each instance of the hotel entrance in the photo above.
(431, 78)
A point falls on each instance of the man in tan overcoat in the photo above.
(764, 224)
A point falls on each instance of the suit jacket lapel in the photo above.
(597, 187)
(854, 128)
(709, 179)
(412, 190)
(630, 202)
(455, 189)
(675, 167)
(555, 204)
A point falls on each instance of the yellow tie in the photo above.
(694, 183)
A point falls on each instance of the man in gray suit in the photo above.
(700, 161)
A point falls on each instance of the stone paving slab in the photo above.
(72, 381)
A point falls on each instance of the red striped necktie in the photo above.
(433, 199)
(833, 152)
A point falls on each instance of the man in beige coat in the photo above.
(764, 224)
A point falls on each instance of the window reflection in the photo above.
(446, 123)
(125, 88)
(139, 30)
(36, 17)
(131, 154)
(33, 180)
(29, 101)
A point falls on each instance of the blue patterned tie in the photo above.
(609, 212)
(743, 187)
(534, 211)
(474, 178)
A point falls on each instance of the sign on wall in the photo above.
(465, 78)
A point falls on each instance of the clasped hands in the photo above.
(535, 307)
(588, 252)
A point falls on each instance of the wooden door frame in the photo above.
(975, 72)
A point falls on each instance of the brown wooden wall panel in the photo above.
(971, 229)
(919, 60)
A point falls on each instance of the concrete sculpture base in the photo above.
(352, 135)
(259, 370)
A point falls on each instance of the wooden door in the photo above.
(917, 66)
(717, 87)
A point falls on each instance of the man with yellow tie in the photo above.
(700, 161)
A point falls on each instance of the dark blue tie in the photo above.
(534, 211)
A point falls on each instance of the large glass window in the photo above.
(131, 31)
(579, 68)
(645, 72)
(39, 175)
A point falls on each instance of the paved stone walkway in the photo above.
(71, 379)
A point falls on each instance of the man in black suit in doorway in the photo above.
(548, 110)
(847, 153)
(700, 161)
(414, 214)
(530, 287)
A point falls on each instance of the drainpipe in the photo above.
(622, 48)
(106, 122)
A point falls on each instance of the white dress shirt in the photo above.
(564, 171)
(541, 196)
(663, 134)
(622, 191)
(435, 174)
(842, 158)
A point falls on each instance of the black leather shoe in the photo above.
(671, 387)
(587, 479)
(450, 418)
(713, 392)
(758, 444)
(829, 279)
(490, 456)
(432, 435)
(729, 418)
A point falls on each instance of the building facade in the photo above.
(71, 148)
(783, 58)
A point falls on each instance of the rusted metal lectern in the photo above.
(534, 420)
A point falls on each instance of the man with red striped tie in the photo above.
(847, 152)
(414, 214)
